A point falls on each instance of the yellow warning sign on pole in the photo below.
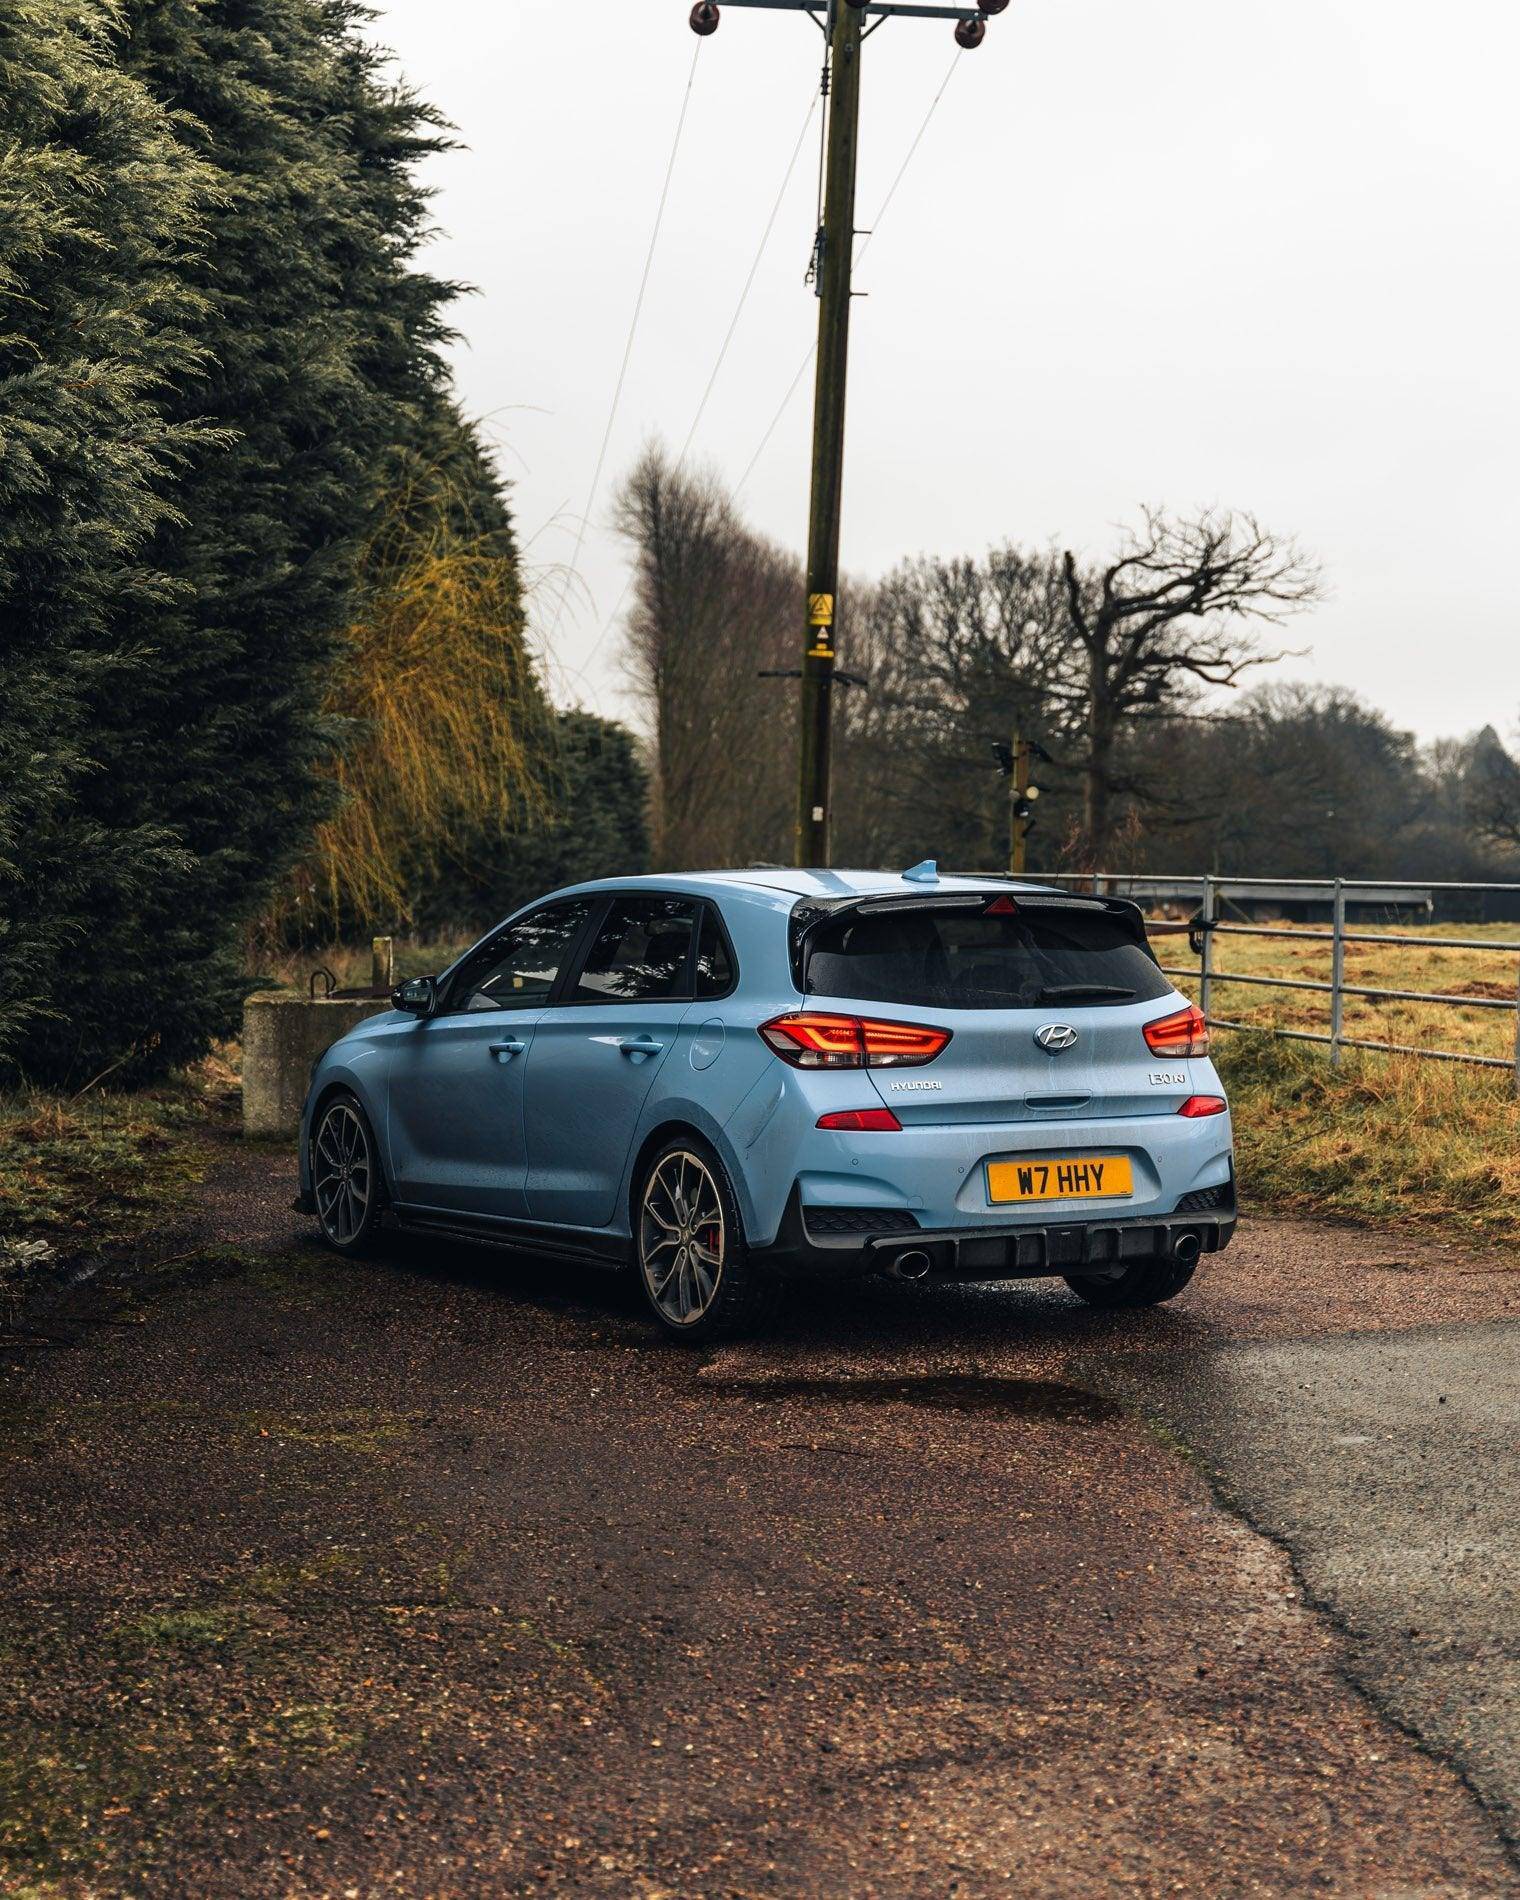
(820, 610)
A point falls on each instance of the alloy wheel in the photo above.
(682, 1238)
(342, 1173)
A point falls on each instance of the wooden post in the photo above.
(382, 966)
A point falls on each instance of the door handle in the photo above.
(504, 1051)
(636, 1046)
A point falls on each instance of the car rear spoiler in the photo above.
(809, 912)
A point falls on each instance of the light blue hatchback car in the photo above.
(733, 1078)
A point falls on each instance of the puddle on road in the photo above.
(945, 1392)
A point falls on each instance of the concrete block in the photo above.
(283, 1034)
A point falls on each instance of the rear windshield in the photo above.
(969, 960)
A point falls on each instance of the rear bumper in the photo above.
(1025, 1250)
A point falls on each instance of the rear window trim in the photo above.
(711, 908)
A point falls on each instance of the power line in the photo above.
(802, 368)
(775, 421)
(909, 156)
(749, 284)
(638, 311)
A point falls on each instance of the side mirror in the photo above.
(418, 995)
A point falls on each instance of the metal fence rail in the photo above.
(1209, 924)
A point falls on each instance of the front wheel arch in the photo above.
(320, 1106)
(365, 1238)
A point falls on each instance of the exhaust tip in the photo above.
(1185, 1250)
(909, 1266)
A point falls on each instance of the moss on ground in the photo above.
(98, 1170)
(291, 1582)
(190, 1628)
(354, 1431)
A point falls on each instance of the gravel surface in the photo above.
(442, 1575)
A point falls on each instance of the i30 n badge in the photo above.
(724, 1080)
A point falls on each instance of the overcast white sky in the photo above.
(1260, 253)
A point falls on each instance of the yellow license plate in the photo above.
(1071, 1178)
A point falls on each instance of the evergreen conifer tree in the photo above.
(100, 207)
(321, 371)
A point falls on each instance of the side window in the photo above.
(715, 963)
(641, 952)
(517, 969)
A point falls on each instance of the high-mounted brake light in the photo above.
(1197, 1106)
(1184, 1034)
(862, 1121)
(1001, 907)
(813, 1039)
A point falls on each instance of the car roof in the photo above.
(780, 889)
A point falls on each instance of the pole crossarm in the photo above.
(886, 9)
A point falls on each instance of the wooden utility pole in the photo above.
(1013, 762)
(845, 24)
(1018, 808)
(833, 264)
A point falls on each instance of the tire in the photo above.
(346, 1181)
(689, 1250)
(1142, 1283)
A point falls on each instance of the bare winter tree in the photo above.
(1493, 789)
(714, 605)
(1174, 612)
(958, 653)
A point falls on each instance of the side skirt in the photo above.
(609, 1252)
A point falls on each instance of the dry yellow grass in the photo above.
(350, 963)
(1488, 974)
(1384, 1138)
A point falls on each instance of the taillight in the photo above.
(862, 1121)
(1185, 1034)
(812, 1039)
(1197, 1106)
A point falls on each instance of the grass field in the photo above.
(351, 963)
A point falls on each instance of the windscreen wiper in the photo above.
(1071, 992)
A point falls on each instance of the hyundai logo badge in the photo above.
(1055, 1037)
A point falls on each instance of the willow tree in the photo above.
(443, 727)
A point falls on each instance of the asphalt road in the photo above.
(443, 1576)
(1390, 1467)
